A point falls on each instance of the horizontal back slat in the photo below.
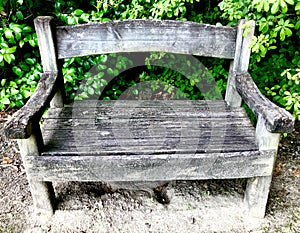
(146, 35)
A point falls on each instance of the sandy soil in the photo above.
(196, 206)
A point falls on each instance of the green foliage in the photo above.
(19, 59)
(274, 61)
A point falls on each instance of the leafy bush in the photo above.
(274, 62)
(275, 59)
(19, 57)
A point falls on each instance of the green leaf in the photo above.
(100, 74)
(5, 100)
(4, 45)
(25, 67)
(291, 2)
(17, 71)
(90, 90)
(11, 50)
(297, 7)
(27, 29)
(71, 20)
(30, 61)
(266, 6)
(283, 4)
(297, 26)
(275, 8)
(135, 92)
(68, 78)
(3, 81)
(7, 58)
(282, 35)
(8, 34)
(18, 35)
(26, 94)
(1, 58)
(15, 27)
(21, 43)
(288, 32)
(32, 43)
(78, 12)
(110, 71)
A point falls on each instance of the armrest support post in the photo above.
(265, 139)
(32, 145)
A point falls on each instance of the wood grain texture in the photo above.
(20, 126)
(241, 60)
(147, 127)
(277, 119)
(146, 35)
(256, 195)
(149, 167)
(46, 43)
(257, 190)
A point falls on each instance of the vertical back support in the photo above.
(240, 63)
(48, 53)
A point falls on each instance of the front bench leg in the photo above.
(42, 192)
(43, 197)
(256, 195)
(257, 190)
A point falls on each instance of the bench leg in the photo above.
(42, 192)
(43, 197)
(256, 195)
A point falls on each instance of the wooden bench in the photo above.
(111, 140)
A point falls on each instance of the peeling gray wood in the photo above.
(149, 168)
(256, 195)
(42, 192)
(58, 99)
(47, 50)
(20, 125)
(277, 119)
(241, 60)
(121, 128)
(257, 190)
(43, 196)
(146, 35)
(265, 139)
(46, 45)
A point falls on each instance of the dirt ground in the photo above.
(196, 206)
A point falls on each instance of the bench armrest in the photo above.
(277, 119)
(21, 124)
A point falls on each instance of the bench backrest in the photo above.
(147, 35)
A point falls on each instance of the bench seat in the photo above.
(147, 127)
(148, 140)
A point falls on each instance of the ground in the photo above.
(196, 206)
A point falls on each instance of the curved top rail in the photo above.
(146, 35)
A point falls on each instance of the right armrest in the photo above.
(21, 124)
(277, 119)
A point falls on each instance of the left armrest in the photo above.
(277, 119)
(20, 126)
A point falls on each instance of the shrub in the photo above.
(274, 62)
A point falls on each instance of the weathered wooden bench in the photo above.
(209, 139)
